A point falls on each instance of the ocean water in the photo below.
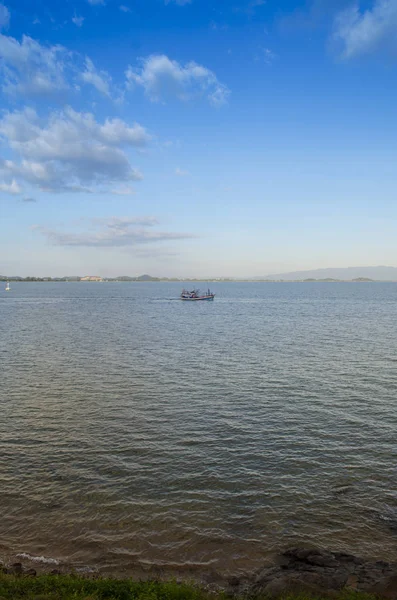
(139, 433)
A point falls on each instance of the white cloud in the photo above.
(162, 78)
(4, 16)
(70, 151)
(99, 79)
(78, 21)
(11, 188)
(96, 2)
(29, 68)
(113, 232)
(181, 173)
(124, 8)
(362, 32)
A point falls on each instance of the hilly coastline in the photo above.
(380, 273)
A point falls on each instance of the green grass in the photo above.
(69, 587)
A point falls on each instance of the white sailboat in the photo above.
(8, 286)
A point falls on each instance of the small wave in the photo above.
(38, 559)
(86, 570)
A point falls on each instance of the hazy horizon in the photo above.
(379, 272)
(196, 138)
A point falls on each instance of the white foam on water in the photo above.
(86, 570)
(38, 559)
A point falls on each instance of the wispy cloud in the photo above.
(312, 14)
(69, 151)
(265, 55)
(163, 78)
(124, 8)
(159, 253)
(4, 16)
(96, 2)
(360, 32)
(113, 232)
(29, 199)
(29, 68)
(32, 70)
(101, 80)
(11, 188)
(78, 21)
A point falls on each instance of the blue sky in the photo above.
(197, 138)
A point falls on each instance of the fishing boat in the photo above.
(195, 294)
(8, 289)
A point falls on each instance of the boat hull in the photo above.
(208, 298)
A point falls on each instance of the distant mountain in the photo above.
(125, 278)
(147, 278)
(347, 274)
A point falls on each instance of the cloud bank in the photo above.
(113, 232)
(360, 32)
(69, 151)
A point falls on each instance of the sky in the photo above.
(195, 138)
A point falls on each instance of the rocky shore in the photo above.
(297, 571)
(315, 572)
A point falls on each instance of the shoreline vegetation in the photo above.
(298, 573)
(69, 587)
(148, 278)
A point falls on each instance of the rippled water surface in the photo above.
(138, 431)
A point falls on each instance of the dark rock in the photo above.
(298, 553)
(30, 573)
(382, 564)
(386, 587)
(319, 572)
(267, 574)
(319, 558)
(16, 569)
(322, 560)
(390, 587)
(352, 582)
(347, 558)
(55, 572)
(286, 585)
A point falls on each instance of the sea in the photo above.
(142, 435)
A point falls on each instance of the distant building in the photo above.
(91, 278)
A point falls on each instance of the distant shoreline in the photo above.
(165, 280)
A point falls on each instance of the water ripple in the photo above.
(142, 433)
